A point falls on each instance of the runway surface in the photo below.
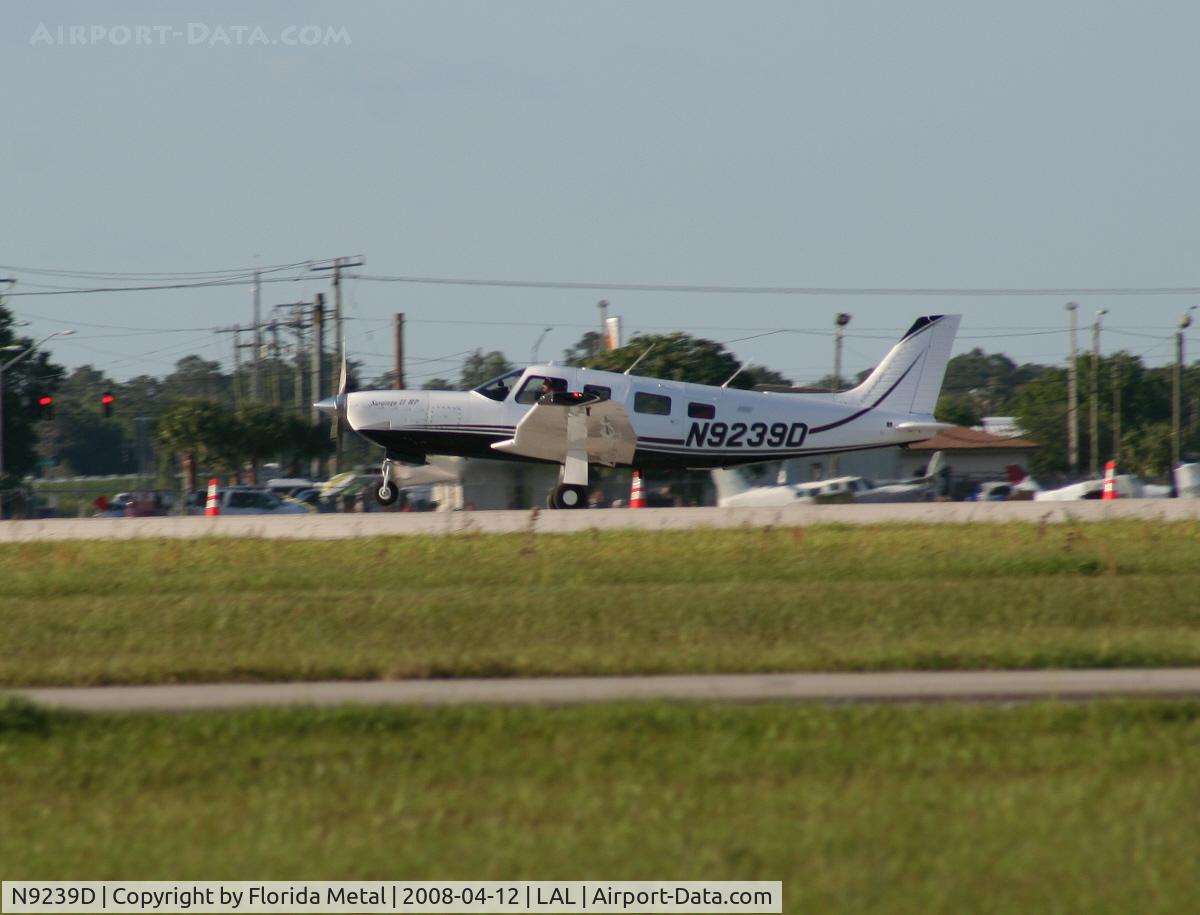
(910, 686)
(343, 526)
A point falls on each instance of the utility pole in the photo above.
(295, 312)
(256, 369)
(398, 384)
(1072, 396)
(298, 324)
(1116, 421)
(236, 330)
(1095, 413)
(317, 384)
(237, 366)
(339, 264)
(1177, 387)
(276, 363)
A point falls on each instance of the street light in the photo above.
(1072, 397)
(4, 368)
(840, 323)
(541, 337)
(1095, 417)
(1185, 321)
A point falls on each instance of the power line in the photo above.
(784, 290)
(91, 290)
(832, 291)
(166, 274)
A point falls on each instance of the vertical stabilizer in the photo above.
(909, 378)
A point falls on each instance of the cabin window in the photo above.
(498, 388)
(599, 390)
(531, 390)
(701, 410)
(654, 404)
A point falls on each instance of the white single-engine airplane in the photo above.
(576, 417)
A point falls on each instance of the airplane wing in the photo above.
(542, 433)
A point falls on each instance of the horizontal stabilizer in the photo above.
(922, 431)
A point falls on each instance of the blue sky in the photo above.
(798, 144)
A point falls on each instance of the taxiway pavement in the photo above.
(904, 686)
(374, 524)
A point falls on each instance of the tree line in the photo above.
(202, 418)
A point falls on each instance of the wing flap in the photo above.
(542, 434)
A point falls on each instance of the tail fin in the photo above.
(909, 378)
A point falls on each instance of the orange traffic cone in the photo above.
(636, 498)
(212, 507)
(1110, 481)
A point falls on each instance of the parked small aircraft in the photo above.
(735, 491)
(576, 417)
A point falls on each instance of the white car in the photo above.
(247, 500)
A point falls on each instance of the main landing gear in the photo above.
(386, 492)
(572, 488)
(567, 495)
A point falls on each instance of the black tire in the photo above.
(565, 496)
(386, 495)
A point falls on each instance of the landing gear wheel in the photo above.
(566, 496)
(386, 494)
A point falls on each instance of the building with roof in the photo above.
(971, 454)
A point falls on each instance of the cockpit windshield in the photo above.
(498, 388)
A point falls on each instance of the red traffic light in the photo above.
(45, 401)
(106, 398)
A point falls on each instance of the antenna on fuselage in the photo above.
(734, 375)
(640, 358)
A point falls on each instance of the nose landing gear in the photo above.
(386, 493)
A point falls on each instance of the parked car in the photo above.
(245, 500)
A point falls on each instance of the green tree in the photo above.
(196, 377)
(258, 432)
(676, 357)
(28, 378)
(756, 375)
(438, 384)
(958, 410)
(829, 383)
(1040, 408)
(202, 434)
(985, 384)
(592, 343)
(479, 367)
(1146, 450)
(81, 440)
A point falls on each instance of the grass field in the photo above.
(1048, 808)
(821, 598)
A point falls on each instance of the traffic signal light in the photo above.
(45, 407)
(106, 403)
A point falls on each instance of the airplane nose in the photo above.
(328, 405)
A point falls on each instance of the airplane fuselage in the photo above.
(677, 424)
